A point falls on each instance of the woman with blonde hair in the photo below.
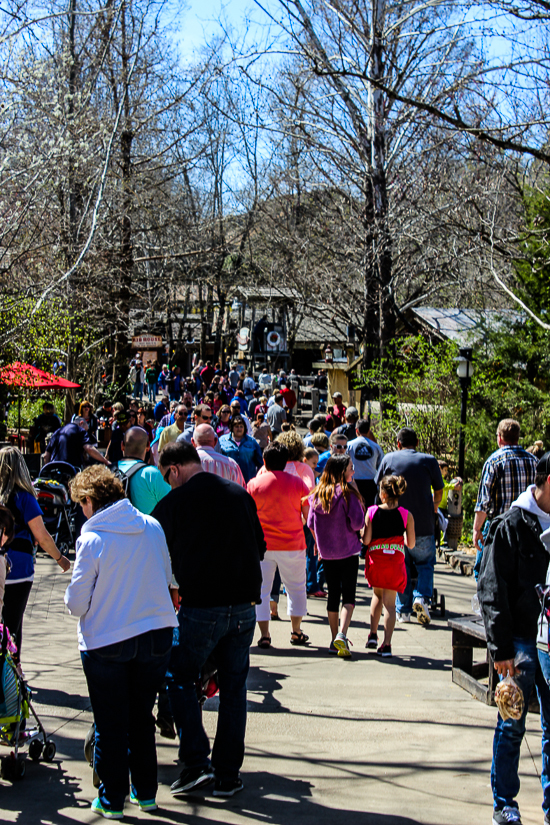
(385, 563)
(120, 592)
(335, 516)
(18, 495)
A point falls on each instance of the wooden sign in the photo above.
(146, 342)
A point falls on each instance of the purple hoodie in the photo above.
(336, 531)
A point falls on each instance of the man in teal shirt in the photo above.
(146, 487)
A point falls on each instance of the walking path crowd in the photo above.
(204, 506)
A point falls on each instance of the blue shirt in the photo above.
(67, 444)
(23, 563)
(247, 454)
(160, 411)
(323, 458)
(366, 456)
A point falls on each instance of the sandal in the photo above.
(275, 617)
(264, 642)
(301, 638)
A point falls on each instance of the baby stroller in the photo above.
(15, 706)
(58, 511)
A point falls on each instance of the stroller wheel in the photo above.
(35, 749)
(64, 548)
(50, 750)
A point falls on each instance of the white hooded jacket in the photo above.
(119, 587)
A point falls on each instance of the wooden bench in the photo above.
(469, 634)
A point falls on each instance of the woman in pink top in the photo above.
(281, 501)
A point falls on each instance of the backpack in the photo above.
(125, 476)
(133, 375)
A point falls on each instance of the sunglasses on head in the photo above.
(167, 474)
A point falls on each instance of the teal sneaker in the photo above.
(103, 810)
(144, 804)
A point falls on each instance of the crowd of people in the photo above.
(296, 512)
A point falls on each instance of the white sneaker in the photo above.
(403, 617)
(422, 613)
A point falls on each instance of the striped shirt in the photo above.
(220, 465)
(508, 472)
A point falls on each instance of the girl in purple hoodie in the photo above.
(336, 515)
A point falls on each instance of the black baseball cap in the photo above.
(543, 465)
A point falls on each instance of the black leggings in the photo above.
(341, 578)
(16, 597)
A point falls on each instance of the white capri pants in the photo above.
(292, 568)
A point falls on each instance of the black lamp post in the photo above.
(464, 370)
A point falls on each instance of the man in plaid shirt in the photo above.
(506, 473)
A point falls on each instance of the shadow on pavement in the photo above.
(278, 800)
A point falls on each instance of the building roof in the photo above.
(465, 325)
(269, 294)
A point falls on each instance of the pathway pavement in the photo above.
(361, 742)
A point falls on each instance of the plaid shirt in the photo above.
(507, 472)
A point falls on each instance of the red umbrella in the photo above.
(33, 378)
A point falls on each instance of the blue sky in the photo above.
(201, 20)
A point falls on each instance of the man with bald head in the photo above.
(204, 440)
(146, 486)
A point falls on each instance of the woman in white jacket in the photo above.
(120, 592)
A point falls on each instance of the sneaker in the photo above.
(105, 810)
(422, 613)
(191, 779)
(341, 644)
(403, 617)
(228, 787)
(372, 641)
(547, 818)
(506, 815)
(333, 649)
(319, 594)
(144, 804)
(384, 651)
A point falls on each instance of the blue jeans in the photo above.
(423, 554)
(123, 682)
(225, 632)
(314, 565)
(138, 390)
(151, 391)
(509, 734)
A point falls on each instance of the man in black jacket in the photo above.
(219, 577)
(515, 559)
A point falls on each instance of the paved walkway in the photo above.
(361, 742)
